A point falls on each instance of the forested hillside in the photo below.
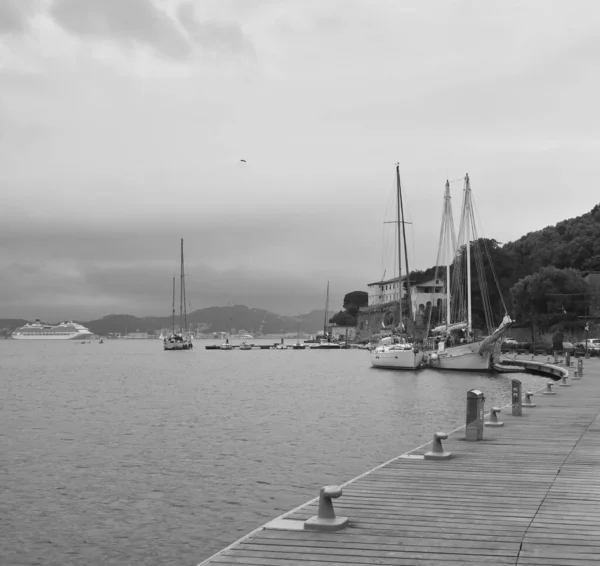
(539, 275)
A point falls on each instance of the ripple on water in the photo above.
(124, 454)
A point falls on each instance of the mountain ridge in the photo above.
(234, 319)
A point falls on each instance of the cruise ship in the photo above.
(63, 331)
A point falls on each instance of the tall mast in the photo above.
(173, 304)
(184, 296)
(326, 307)
(181, 292)
(447, 215)
(410, 313)
(398, 213)
(468, 217)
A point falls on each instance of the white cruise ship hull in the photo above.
(396, 359)
(73, 336)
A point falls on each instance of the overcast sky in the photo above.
(123, 123)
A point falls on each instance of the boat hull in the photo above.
(397, 359)
(465, 357)
(177, 345)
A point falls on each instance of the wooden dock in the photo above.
(528, 494)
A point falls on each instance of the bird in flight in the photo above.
(243, 160)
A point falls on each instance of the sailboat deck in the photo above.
(528, 494)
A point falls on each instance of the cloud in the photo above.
(138, 21)
(108, 159)
(73, 269)
(15, 15)
(213, 35)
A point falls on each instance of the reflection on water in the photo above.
(123, 453)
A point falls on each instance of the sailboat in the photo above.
(396, 351)
(326, 343)
(298, 345)
(453, 344)
(177, 341)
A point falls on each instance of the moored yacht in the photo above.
(454, 344)
(396, 351)
(179, 340)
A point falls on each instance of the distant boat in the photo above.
(397, 352)
(63, 331)
(245, 346)
(242, 336)
(298, 345)
(326, 343)
(177, 340)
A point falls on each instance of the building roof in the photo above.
(393, 280)
(430, 283)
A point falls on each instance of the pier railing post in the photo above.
(475, 404)
(517, 401)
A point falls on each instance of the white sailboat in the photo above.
(326, 343)
(396, 351)
(453, 344)
(177, 340)
(299, 345)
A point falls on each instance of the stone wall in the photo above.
(378, 319)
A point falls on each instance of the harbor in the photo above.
(525, 491)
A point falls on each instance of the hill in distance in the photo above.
(233, 319)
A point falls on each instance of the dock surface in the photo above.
(528, 494)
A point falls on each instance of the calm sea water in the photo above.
(122, 453)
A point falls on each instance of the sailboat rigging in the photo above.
(326, 343)
(298, 345)
(179, 340)
(396, 351)
(454, 344)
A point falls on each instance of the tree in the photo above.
(549, 296)
(343, 318)
(354, 300)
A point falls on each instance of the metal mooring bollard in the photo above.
(437, 451)
(325, 520)
(517, 402)
(563, 382)
(494, 418)
(528, 402)
(576, 375)
(549, 391)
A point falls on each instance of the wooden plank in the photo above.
(529, 494)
